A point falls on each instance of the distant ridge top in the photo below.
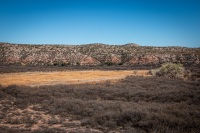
(132, 44)
(98, 44)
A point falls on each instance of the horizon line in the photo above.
(138, 45)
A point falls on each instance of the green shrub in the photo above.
(109, 63)
(169, 70)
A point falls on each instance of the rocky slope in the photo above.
(95, 54)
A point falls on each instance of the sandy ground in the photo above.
(66, 77)
(32, 120)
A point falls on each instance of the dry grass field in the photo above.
(65, 77)
(87, 101)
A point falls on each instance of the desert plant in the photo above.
(169, 70)
(134, 104)
(109, 63)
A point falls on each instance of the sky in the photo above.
(115, 22)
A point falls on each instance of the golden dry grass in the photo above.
(66, 77)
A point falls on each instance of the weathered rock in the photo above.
(96, 54)
(89, 61)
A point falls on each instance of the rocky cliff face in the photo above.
(95, 54)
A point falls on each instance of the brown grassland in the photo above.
(79, 102)
(65, 77)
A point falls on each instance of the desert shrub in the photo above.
(169, 70)
(109, 63)
(134, 104)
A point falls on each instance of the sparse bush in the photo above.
(169, 70)
(135, 72)
(77, 63)
(121, 63)
(109, 63)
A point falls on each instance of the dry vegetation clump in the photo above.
(135, 104)
(170, 70)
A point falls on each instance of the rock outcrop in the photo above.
(95, 54)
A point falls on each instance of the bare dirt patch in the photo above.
(65, 77)
(33, 119)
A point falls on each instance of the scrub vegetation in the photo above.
(134, 104)
(170, 70)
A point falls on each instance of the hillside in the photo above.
(95, 54)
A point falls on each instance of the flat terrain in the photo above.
(65, 77)
(97, 101)
(135, 104)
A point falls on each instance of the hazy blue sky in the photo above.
(145, 22)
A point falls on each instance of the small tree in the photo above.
(169, 70)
